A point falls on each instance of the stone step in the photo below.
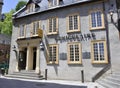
(104, 84)
(115, 76)
(27, 74)
(108, 83)
(24, 77)
(116, 80)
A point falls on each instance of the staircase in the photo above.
(23, 74)
(110, 81)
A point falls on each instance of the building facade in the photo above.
(66, 37)
(1, 3)
(4, 50)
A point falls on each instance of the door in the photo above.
(34, 58)
(22, 60)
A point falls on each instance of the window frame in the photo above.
(105, 61)
(78, 18)
(52, 33)
(30, 8)
(53, 62)
(102, 19)
(80, 53)
(23, 36)
(52, 4)
(34, 23)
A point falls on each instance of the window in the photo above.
(74, 53)
(53, 54)
(53, 25)
(73, 23)
(99, 52)
(53, 3)
(22, 31)
(36, 26)
(97, 19)
(30, 8)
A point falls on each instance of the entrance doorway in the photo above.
(22, 59)
(34, 58)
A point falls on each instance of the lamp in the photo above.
(42, 46)
(14, 48)
(111, 13)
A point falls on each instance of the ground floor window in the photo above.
(99, 52)
(74, 53)
(53, 54)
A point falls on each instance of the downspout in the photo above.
(108, 66)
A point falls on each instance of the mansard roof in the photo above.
(44, 6)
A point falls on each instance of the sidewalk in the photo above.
(63, 82)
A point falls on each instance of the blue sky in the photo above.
(8, 5)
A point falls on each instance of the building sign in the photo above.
(77, 37)
(40, 33)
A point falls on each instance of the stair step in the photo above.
(104, 84)
(24, 77)
(108, 83)
(115, 75)
(116, 80)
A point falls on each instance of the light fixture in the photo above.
(14, 48)
(42, 46)
(111, 13)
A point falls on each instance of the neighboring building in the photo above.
(78, 35)
(1, 3)
(4, 50)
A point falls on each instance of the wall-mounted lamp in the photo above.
(14, 48)
(42, 46)
(111, 13)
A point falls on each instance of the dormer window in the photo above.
(31, 8)
(53, 3)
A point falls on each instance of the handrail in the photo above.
(101, 72)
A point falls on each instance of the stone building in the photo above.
(4, 50)
(1, 3)
(66, 37)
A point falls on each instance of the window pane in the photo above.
(70, 23)
(22, 28)
(50, 53)
(54, 24)
(99, 21)
(93, 18)
(76, 22)
(76, 52)
(50, 25)
(96, 58)
(101, 48)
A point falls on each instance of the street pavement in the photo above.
(12, 83)
(6, 82)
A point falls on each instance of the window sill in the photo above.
(72, 31)
(97, 28)
(55, 33)
(21, 37)
(74, 63)
(50, 63)
(99, 62)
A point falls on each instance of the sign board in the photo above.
(40, 33)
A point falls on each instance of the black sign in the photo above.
(76, 37)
